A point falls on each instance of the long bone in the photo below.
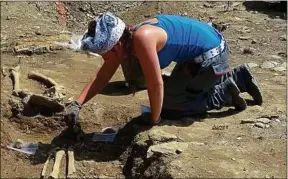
(56, 168)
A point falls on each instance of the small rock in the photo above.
(283, 38)
(165, 149)
(260, 125)
(233, 159)
(263, 120)
(275, 63)
(275, 57)
(37, 32)
(268, 64)
(281, 68)
(185, 14)
(239, 138)
(158, 12)
(25, 51)
(252, 65)
(238, 19)
(248, 50)
(158, 135)
(244, 169)
(244, 37)
(207, 5)
(247, 121)
(260, 137)
(147, 15)
(283, 54)
(254, 41)
(220, 127)
(197, 143)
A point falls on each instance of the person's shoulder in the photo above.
(143, 33)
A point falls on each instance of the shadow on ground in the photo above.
(118, 88)
(85, 149)
(272, 9)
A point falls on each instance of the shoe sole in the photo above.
(238, 102)
(255, 91)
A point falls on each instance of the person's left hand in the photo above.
(72, 114)
(147, 118)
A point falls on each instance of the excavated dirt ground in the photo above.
(237, 151)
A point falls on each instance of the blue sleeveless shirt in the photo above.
(186, 38)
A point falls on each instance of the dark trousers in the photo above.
(194, 89)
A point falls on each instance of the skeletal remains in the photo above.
(52, 98)
(58, 155)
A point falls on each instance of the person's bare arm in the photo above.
(99, 81)
(145, 49)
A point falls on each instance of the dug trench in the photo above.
(219, 144)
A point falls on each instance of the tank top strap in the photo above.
(143, 23)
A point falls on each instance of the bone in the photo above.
(44, 170)
(48, 82)
(14, 74)
(3, 71)
(56, 168)
(41, 100)
(71, 165)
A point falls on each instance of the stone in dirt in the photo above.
(248, 50)
(260, 125)
(254, 41)
(252, 65)
(166, 149)
(220, 127)
(279, 68)
(283, 38)
(244, 37)
(158, 135)
(207, 5)
(275, 57)
(268, 64)
(263, 120)
(247, 121)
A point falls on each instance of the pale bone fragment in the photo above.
(3, 71)
(14, 74)
(48, 82)
(56, 168)
(44, 170)
(71, 164)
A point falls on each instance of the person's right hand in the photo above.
(72, 113)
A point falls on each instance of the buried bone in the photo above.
(14, 74)
(56, 168)
(48, 82)
(52, 98)
(71, 164)
(45, 167)
(3, 71)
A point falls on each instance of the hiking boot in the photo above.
(237, 101)
(251, 85)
